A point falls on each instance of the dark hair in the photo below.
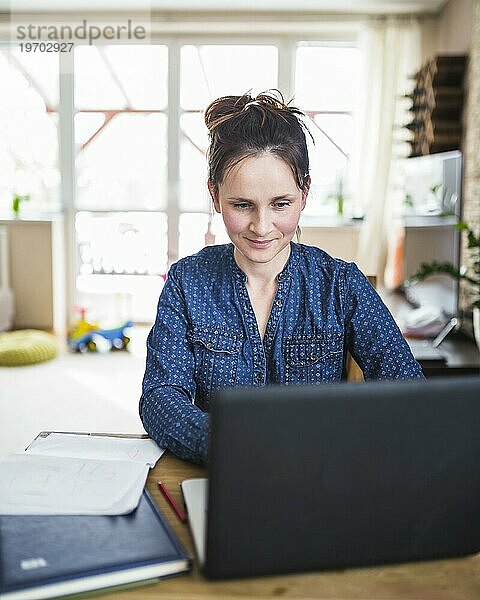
(242, 126)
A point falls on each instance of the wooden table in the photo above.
(453, 579)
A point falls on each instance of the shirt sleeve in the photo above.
(168, 390)
(372, 336)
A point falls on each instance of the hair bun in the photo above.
(222, 109)
(227, 107)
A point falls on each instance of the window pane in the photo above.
(193, 227)
(208, 72)
(42, 70)
(121, 257)
(29, 134)
(124, 167)
(326, 78)
(327, 86)
(142, 72)
(192, 230)
(328, 166)
(95, 86)
(218, 230)
(124, 243)
(111, 300)
(86, 124)
(339, 128)
(194, 194)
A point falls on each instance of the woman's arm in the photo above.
(166, 405)
(372, 336)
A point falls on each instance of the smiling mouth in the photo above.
(259, 242)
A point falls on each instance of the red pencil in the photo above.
(180, 514)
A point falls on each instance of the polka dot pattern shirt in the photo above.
(205, 337)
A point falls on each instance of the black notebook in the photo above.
(50, 556)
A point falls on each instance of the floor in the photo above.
(74, 392)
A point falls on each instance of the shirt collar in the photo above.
(288, 270)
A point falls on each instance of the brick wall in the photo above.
(471, 146)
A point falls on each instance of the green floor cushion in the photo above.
(26, 347)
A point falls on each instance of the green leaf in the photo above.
(462, 226)
(17, 200)
(473, 242)
(435, 268)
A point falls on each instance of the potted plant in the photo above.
(338, 196)
(17, 201)
(471, 276)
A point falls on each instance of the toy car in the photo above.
(91, 337)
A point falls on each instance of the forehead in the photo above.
(260, 172)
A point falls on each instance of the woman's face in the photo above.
(260, 204)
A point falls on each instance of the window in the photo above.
(126, 141)
(28, 130)
(208, 72)
(121, 165)
(122, 256)
(326, 87)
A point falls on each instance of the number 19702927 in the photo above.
(46, 46)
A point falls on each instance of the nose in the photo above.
(260, 224)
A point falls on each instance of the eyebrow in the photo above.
(275, 198)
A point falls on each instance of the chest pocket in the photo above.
(216, 360)
(312, 360)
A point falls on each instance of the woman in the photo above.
(262, 309)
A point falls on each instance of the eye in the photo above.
(241, 205)
(282, 204)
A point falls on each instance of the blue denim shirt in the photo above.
(206, 337)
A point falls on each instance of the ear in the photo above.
(305, 192)
(214, 196)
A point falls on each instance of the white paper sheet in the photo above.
(32, 484)
(144, 451)
(195, 494)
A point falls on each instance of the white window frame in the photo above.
(285, 39)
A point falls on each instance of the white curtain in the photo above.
(392, 54)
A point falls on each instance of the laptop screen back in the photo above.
(340, 475)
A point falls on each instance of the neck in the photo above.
(262, 274)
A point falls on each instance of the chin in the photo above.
(257, 258)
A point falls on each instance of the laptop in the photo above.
(333, 476)
(425, 351)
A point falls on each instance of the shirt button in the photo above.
(258, 376)
(278, 303)
(313, 357)
(209, 345)
(281, 276)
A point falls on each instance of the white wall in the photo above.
(454, 30)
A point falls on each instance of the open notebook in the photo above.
(195, 493)
(64, 473)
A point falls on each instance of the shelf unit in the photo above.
(437, 106)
